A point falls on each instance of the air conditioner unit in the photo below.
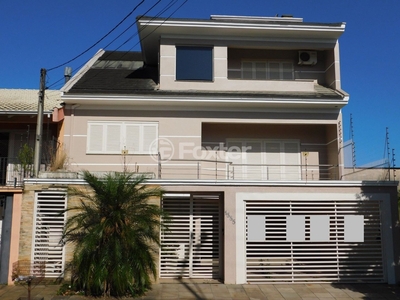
(307, 58)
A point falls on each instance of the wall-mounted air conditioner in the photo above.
(307, 57)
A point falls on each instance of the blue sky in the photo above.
(47, 33)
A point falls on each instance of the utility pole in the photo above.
(39, 124)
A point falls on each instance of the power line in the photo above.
(183, 3)
(81, 65)
(54, 83)
(131, 25)
(171, 3)
(56, 67)
(166, 19)
(166, 8)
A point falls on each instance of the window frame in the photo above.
(267, 63)
(123, 138)
(264, 158)
(182, 60)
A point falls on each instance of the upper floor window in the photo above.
(113, 137)
(194, 63)
(272, 70)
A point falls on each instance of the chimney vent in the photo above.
(67, 74)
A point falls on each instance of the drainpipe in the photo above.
(73, 107)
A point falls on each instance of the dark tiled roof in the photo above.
(144, 81)
(122, 55)
(117, 80)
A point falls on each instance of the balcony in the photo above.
(227, 170)
(12, 173)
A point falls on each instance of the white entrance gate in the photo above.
(270, 257)
(48, 228)
(191, 246)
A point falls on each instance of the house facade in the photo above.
(18, 120)
(239, 120)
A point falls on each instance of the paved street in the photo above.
(187, 290)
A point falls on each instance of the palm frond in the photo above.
(115, 231)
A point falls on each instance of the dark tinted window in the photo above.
(194, 63)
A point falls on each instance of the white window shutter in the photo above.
(273, 160)
(132, 138)
(254, 160)
(292, 160)
(287, 71)
(149, 138)
(95, 138)
(274, 72)
(236, 157)
(247, 70)
(261, 70)
(113, 138)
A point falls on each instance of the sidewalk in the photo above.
(187, 290)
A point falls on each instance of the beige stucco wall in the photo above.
(187, 131)
(23, 220)
(220, 82)
(230, 211)
(227, 64)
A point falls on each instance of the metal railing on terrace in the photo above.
(225, 170)
(12, 173)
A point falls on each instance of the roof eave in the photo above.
(199, 101)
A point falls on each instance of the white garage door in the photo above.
(277, 251)
(191, 246)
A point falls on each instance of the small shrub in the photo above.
(68, 290)
(25, 160)
(58, 159)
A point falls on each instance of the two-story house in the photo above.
(18, 120)
(239, 120)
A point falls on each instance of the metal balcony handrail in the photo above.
(198, 160)
(230, 171)
(286, 165)
(12, 173)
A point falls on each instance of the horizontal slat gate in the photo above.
(205, 259)
(190, 248)
(277, 260)
(49, 225)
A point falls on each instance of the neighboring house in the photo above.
(18, 117)
(239, 120)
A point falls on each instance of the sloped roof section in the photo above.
(124, 73)
(117, 72)
(26, 101)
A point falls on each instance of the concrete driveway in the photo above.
(189, 290)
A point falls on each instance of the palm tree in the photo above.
(115, 231)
